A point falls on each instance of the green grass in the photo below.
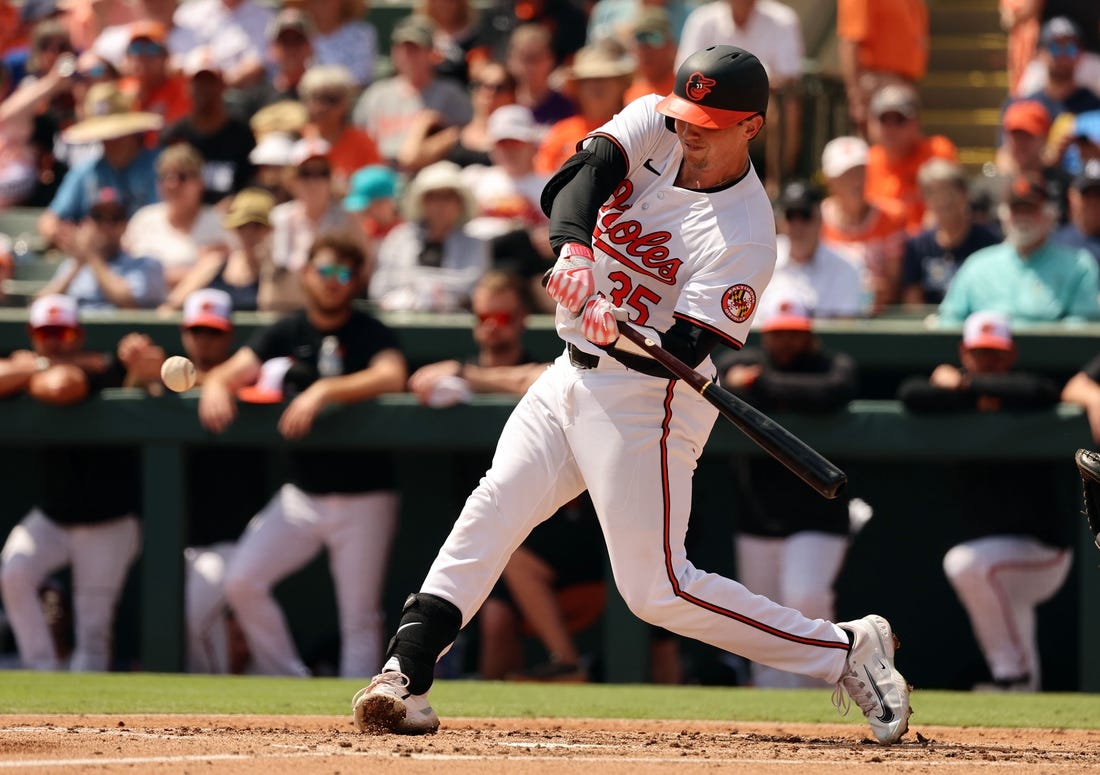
(52, 693)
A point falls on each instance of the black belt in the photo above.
(580, 358)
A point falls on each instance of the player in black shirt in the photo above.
(343, 500)
(87, 514)
(790, 541)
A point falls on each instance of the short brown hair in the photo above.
(347, 250)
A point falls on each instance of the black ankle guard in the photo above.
(429, 624)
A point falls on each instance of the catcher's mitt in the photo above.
(1088, 464)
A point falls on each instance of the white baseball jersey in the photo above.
(632, 440)
(664, 252)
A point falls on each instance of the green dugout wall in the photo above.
(894, 461)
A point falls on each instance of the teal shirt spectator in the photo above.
(136, 185)
(1053, 283)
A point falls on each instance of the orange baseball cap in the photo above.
(1027, 116)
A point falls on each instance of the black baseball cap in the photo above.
(717, 87)
(798, 196)
(1089, 176)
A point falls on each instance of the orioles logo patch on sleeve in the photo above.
(738, 302)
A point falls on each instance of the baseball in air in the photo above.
(178, 373)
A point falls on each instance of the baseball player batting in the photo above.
(661, 217)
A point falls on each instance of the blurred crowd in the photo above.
(208, 157)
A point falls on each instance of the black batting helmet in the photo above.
(717, 87)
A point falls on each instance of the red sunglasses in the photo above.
(500, 318)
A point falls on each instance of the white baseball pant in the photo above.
(357, 529)
(204, 598)
(1000, 580)
(633, 442)
(100, 555)
(797, 571)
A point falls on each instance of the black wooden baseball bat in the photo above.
(802, 459)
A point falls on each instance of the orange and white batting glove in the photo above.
(598, 321)
(570, 281)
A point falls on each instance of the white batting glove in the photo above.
(570, 281)
(598, 321)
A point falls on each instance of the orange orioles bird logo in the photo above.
(698, 86)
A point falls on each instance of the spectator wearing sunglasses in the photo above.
(327, 354)
(178, 230)
(806, 269)
(314, 211)
(654, 49)
(111, 44)
(86, 516)
(1059, 45)
(328, 91)
(148, 80)
(619, 18)
(99, 274)
(898, 148)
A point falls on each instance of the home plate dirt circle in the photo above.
(302, 745)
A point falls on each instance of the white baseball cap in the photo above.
(56, 309)
(269, 385)
(309, 148)
(512, 122)
(987, 330)
(273, 150)
(208, 308)
(842, 154)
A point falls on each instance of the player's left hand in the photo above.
(298, 417)
(598, 321)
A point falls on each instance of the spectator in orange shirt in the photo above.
(654, 49)
(870, 238)
(1020, 21)
(147, 79)
(327, 91)
(898, 149)
(881, 42)
(13, 33)
(600, 77)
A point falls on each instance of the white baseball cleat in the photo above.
(871, 679)
(387, 706)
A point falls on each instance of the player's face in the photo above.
(206, 346)
(985, 360)
(717, 150)
(56, 341)
(945, 201)
(783, 347)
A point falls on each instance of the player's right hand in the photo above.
(571, 281)
(217, 409)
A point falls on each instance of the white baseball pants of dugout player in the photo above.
(100, 555)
